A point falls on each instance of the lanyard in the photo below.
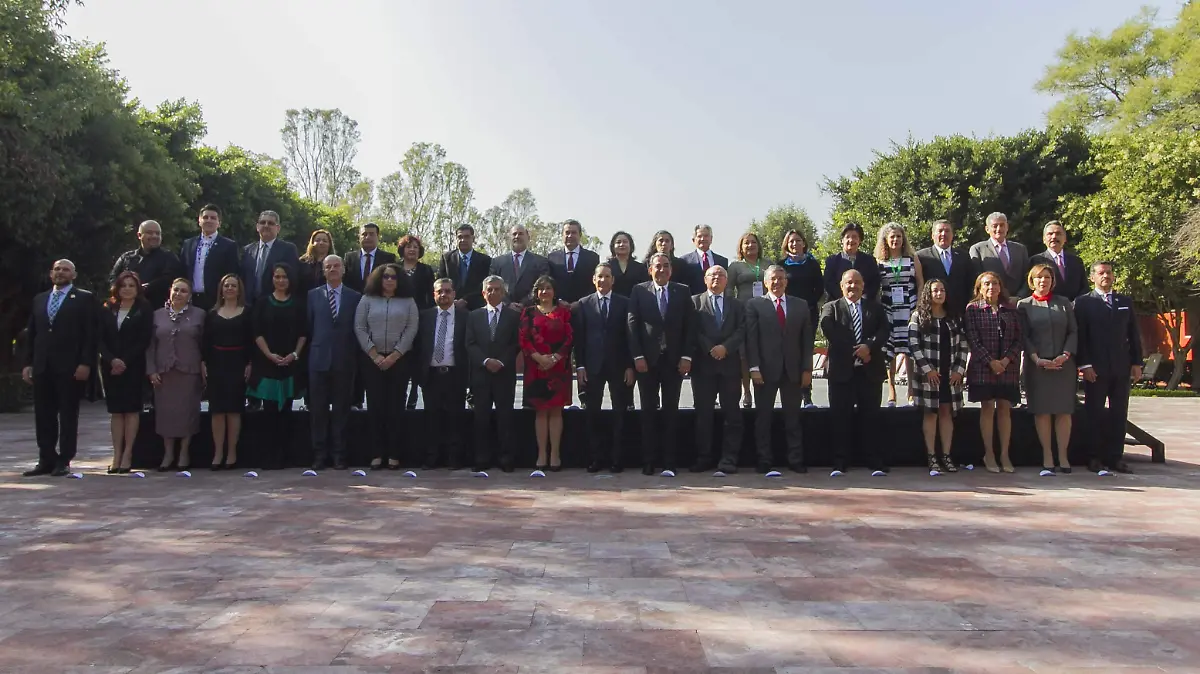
(896, 268)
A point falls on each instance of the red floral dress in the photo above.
(545, 334)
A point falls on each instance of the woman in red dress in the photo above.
(545, 339)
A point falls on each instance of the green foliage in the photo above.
(963, 179)
(1162, 393)
(428, 196)
(320, 147)
(1138, 75)
(779, 221)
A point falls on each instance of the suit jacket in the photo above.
(478, 270)
(281, 251)
(127, 342)
(653, 336)
(601, 346)
(838, 328)
(520, 281)
(1109, 340)
(624, 281)
(1048, 331)
(731, 334)
(837, 264)
(984, 257)
(427, 332)
(960, 282)
(176, 345)
(332, 343)
(570, 286)
(779, 354)
(70, 341)
(222, 259)
(695, 276)
(354, 276)
(504, 348)
(1074, 284)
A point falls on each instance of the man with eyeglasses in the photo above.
(259, 258)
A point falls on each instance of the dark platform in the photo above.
(898, 431)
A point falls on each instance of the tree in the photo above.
(321, 146)
(429, 196)
(963, 179)
(778, 221)
(518, 208)
(1139, 75)
(1151, 180)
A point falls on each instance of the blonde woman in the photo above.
(900, 284)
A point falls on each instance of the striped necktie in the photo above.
(856, 319)
(333, 303)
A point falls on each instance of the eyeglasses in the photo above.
(389, 277)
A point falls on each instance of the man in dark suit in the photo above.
(602, 359)
(492, 350)
(857, 329)
(1071, 279)
(1110, 359)
(466, 267)
(954, 269)
(332, 362)
(661, 342)
(720, 328)
(259, 259)
(360, 263)
(207, 258)
(779, 347)
(1008, 259)
(441, 369)
(851, 258)
(572, 267)
(156, 266)
(60, 352)
(520, 268)
(698, 261)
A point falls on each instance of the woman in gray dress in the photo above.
(1048, 324)
(746, 282)
(173, 364)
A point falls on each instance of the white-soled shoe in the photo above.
(879, 473)
(359, 473)
(774, 473)
(309, 473)
(410, 473)
(482, 473)
(538, 473)
(836, 473)
(667, 473)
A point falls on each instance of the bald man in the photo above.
(59, 354)
(155, 266)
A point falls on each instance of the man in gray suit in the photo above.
(779, 346)
(1007, 258)
(261, 257)
(520, 268)
(492, 350)
(331, 363)
(720, 324)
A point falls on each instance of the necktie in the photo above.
(1108, 299)
(717, 311)
(704, 262)
(946, 260)
(367, 265)
(464, 263)
(333, 303)
(262, 260)
(604, 308)
(856, 320)
(662, 302)
(439, 351)
(1004, 259)
(1062, 267)
(516, 263)
(570, 261)
(780, 315)
(56, 301)
(493, 318)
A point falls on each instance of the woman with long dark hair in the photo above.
(939, 351)
(627, 270)
(993, 328)
(126, 324)
(386, 323)
(280, 329)
(545, 337)
(664, 242)
(228, 344)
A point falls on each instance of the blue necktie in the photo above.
(464, 263)
(717, 311)
(662, 302)
(56, 301)
(946, 260)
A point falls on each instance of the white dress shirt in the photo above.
(205, 243)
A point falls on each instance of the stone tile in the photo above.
(630, 550)
(543, 648)
(480, 615)
(379, 615)
(677, 649)
(459, 589)
(292, 647)
(800, 616)
(910, 615)
(762, 648)
(625, 589)
(732, 590)
(566, 613)
(537, 589)
(403, 649)
(678, 615)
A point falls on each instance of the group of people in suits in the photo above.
(276, 326)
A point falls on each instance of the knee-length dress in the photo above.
(227, 348)
(281, 324)
(175, 355)
(125, 336)
(942, 347)
(898, 295)
(994, 334)
(546, 334)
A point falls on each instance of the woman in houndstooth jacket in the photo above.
(939, 351)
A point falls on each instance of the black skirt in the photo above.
(124, 393)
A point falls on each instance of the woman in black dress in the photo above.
(312, 271)
(125, 327)
(279, 333)
(227, 342)
(804, 278)
(420, 279)
(627, 270)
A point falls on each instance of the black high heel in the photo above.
(554, 468)
(112, 471)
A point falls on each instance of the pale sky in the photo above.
(621, 114)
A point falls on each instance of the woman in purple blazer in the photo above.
(173, 363)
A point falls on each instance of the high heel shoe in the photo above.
(989, 462)
(934, 468)
(948, 464)
(124, 471)
(555, 469)
(112, 471)
(376, 464)
(393, 466)
(1006, 465)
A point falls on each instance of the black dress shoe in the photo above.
(1095, 466)
(316, 467)
(61, 470)
(112, 471)
(595, 467)
(647, 469)
(1066, 470)
(215, 467)
(556, 469)
(38, 470)
(762, 468)
(799, 468)
(728, 470)
(506, 466)
(1123, 467)
(616, 468)
(427, 466)
(378, 466)
(701, 467)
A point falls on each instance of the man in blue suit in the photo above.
(207, 258)
(598, 321)
(331, 363)
(697, 262)
(260, 258)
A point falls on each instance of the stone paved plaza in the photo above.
(601, 574)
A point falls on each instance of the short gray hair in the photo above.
(774, 268)
(995, 217)
(700, 228)
(495, 279)
(334, 257)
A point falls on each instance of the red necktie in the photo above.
(704, 262)
(780, 315)
(570, 261)
(1062, 268)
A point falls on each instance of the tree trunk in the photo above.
(1173, 322)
